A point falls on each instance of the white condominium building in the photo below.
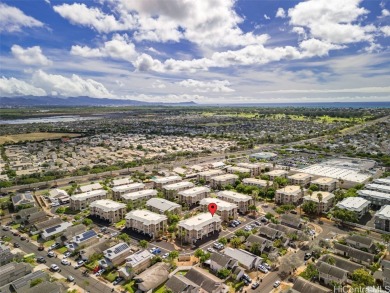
(235, 169)
(199, 226)
(139, 197)
(290, 194)
(300, 179)
(194, 195)
(160, 182)
(226, 210)
(161, 206)
(257, 182)
(255, 169)
(221, 181)
(146, 222)
(109, 210)
(117, 191)
(171, 190)
(82, 200)
(358, 205)
(206, 175)
(276, 173)
(325, 183)
(326, 202)
(242, 201)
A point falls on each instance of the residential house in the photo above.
(264, 245)
(5, 255)
(207, 175)
(180, 284)
(329, 274)
(13, 271)
(341, 263)
(193, 196)
(226, 210)
(59, 195)
(153, 277)
(288, 230)
(136, 263)
(67, 236)
(160, 182)
(326, 201)
(354, 254)
(161, 206)
(382, 219)
(270, 233)
(325, 183)
(83, 239)
(290, 194)
(55, 231)
(117, 191)
(276, 173)
(115, 255)
(290, 220)
(146, 222)
(89, 187)
(30, 216)
(361, 242)
(138, 198)
(23, 200)
(386, 272)
(255, 169)
(199, 227)
(358, 205)
(82, 200)
(221, 181)
(46, 224)
(221, 261)
(302, 285)
(246, 259)
(108, 210)
(171, 191)
(242, 201)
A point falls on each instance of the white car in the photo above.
(79, 264)
(277, 284)
(65, 262)
(165, 255)
(210, 250)
(67, 254)
(153, 249)
(54, 268)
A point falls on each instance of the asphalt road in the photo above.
(93, 284)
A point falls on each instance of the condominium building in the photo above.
(236, 169)
(146, 222)
(138, 198)
(115, 255)
(199, 227)
(206, 175)
(82, 200)
(221, 181)
(255, 169)
(89, 187)
(117, 191)
(326, 202)
(301, 179)
(160, 182)
(161, 206)
(256, 182)
(276, 173)
(123, 181)
(376, 198)
(358, 205)
(383, 181)
(325, 183)
(290, 194)
(171, 190)
(378, 187)
(382, 219)
(194, 195)
(107, 209)
(241, 200)
(226, 210)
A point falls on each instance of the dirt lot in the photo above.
(34, 136)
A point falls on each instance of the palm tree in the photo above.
(255, 195)
(320, 197)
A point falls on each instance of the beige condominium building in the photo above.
(226, 210)
(206, 175)
(138, 198)
(255, 169)
(326, 202)
(301, 179)
(194, 195)
(290, 194)
(325, 183)
(236, 169)
(221, 181)
(82, 200)
(171, 190)
(199, 227)
(242, 201)
(160, 182)
(162, 206)
(358, 205)
(146, 222)
(108, 210)
(117, 191)
(256, 182)
(276, 173)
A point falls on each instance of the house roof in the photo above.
(47, 287)
(291, 219)
(162, 204)
(355, 253)
(360, 239)
(341, 263)
(269, 232)
(49, 223)
(329, 269)
(152, 277)
(303, 286)
(283, 228)
(23, 198)
(220, 259)
(243, 257)
(257, 239)
(25, 212)
(179, 284)
(74, 230)
(206, 281)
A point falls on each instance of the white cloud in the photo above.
(371, 90)
(119, 47)
(10, 87)
(267, 17)
(94, 18)
(280, 13)
(30, 56)
(216, 86)
(332, 21)
(300, 31)
(386, 30)
(73, 86)
(158, 84)
(12, 19)
(385, 13)
(373, 48)
(172, 98)
(314, 47)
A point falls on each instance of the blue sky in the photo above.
(208, 51)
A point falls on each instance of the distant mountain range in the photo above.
(31, 101)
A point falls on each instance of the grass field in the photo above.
(130, 286)
(34, 136)
(48, 243)
(62, 249)
(35, 237)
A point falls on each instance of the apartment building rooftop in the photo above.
(276, 173)
(224, 177)
(124, 188)
(234, 195)
(290, 189)
(353, 203)
(384, 181)
(162, 204)
(199, 221)
(255, 181)
(221, 204)
(378, 187)
(238, 169)
(90, 187)
(164, 180)
(383, 213)
(194, 191)
(324, 181)
(89, 194)
(326, 196)
(179, 185)
(145, 216)
(210, 172)
(337, 173)
(373, 194)
(248, 165)
(139, 194)
(300, 176)
(122, 181)
(107, 205)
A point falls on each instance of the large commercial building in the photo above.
(108, 210)
(171, 190)
(226, 210)
(199, 227)
(382, 218)
(160, 182)
(221, 181)
(117, 191)
(207, 175)
(82, 200)
(290, 194)
(194, 195)
(325, 183)
(138, 198)
(358, 205)
(242, 201)
(326, 202)
(146, 222)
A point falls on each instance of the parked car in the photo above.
(23, 238)
(6, 228)
(70, 278)
(16, 245)
(255, 285)
(277, 284)
(51, 254)
(100, 272)
(267, 266)
(307, 256)
(40, 259)
(15, 234)
(210, 250)
(165, 255)
(79, 264)
(54, 268)
(41, 248)
(65, 262)
(218, 246)
(117, 280)
(262, 269)
(67, 254)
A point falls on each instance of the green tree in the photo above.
(143, 244)
(223, 273)
(124, 237)
(314, 187)
(362, 278)
(256, 248)
(173, 254)
(223, 240)
(87, 222)
(386, 237)
(310, 272)
(156, 259)
(345, 215)
(310, 207)
(235, 242)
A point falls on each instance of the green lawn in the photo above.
(91, 266)
(120, 223)
(35, 237)
(160, 289)
(62, 249)
(49, 243)
(16, 226)
(111, 276)
(129, 286)
(183, 273)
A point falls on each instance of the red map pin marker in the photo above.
(212, 208)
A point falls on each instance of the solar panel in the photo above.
(52, 229)
(86, 235)
(120, 248)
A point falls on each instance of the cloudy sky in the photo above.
(207, 51)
